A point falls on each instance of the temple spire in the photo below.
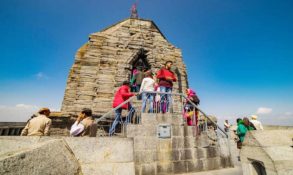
(134, 13)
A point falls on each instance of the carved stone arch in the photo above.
(137, 57)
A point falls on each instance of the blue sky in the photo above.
(239, 54)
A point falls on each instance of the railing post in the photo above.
(229, 144)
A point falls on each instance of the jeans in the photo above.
(119, 119)
(137, 87)
(166, 99)
(148, 97)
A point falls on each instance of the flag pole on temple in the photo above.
(134, 13)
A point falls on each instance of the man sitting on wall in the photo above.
(38, 126)
(84, 124)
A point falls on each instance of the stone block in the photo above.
(194, 165)
(211, 163)
(189, 142)
(145, 143)
(164, 118)
(202, 140)
(138, 168)
(164, 168)
(149, 169)
(177, 142)
(147, 156)
(226, 162)
(164, 144)
(39, 159)
(164, 156)
(148, 119)
(178, 154)
(212, 151)
(11, 144)
(108, 169)
(180, 167)
(93, 150)
(177, 119)
(177, 130)
(141, 131)
(189, 154)
(200, 153)
(189, 131)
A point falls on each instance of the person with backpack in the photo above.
(243, 126)
(190, 112)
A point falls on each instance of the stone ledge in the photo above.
(67, 155)
(40, 159)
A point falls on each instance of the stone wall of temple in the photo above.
(105, 61)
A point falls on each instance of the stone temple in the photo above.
(159, 144)
(106, 60)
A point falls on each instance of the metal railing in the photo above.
(166, 103)
(158, 102)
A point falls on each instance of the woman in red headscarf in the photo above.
(190, 111)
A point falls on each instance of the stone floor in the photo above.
(227, 171)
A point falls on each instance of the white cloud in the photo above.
(264, 110)
(41, 75)
(288, 113)
(17, 113)
(24, 106)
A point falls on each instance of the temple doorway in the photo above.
(138, 66)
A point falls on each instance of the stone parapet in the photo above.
(181, 153)
(66, 155)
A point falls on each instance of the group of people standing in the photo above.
(155, 90)
(161, 82)
(243, 126)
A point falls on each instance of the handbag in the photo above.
(239, 144)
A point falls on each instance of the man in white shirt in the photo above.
(256, 123)
(147, 85)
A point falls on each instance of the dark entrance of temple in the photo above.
(139, 66)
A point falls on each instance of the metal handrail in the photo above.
(112, 110)
(194, 105)
(155, 92)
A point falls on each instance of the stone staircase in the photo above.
(138, 150)
(183, 152)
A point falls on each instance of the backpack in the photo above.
(195, 99)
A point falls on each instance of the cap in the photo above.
(254, 117)
(44, 109)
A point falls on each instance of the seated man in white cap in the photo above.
(38, 126)
(256, 123)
